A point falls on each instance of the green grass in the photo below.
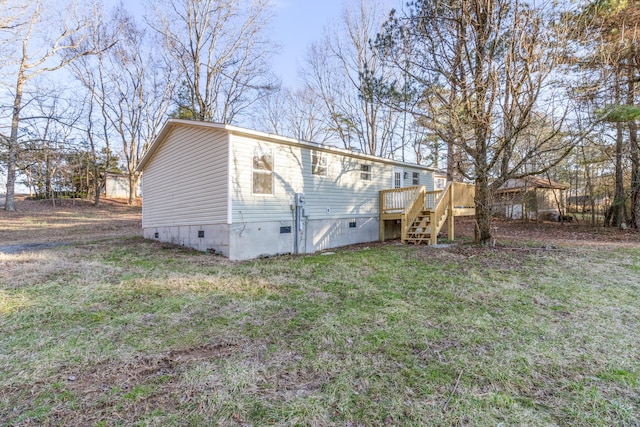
(131, 332)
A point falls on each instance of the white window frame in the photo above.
(322, 168)
(397, 178)
(262, 151)
(366, 172)
(415, 178)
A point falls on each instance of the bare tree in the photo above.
(297, 114)
(143, 84)
(129, 87)
(45, 41)
(272, 112)
(485, 71)
(222, 52)
(48, 133)
(345, 72)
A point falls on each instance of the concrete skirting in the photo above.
(243, 241)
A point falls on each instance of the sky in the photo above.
(295, 26)
(299, 23)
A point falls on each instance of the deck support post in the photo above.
(433, 234)
(380, 210)
(451, 228)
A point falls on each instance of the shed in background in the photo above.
(531, 198)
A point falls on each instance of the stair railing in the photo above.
(411, 212)
(438, 214)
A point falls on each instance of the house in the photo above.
(116, 186)
(247, 194)
(532, 198)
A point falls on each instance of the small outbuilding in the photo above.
(116, 186)
(531, 198)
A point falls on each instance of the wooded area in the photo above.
(488, 90)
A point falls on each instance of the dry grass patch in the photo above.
(38, 221)
(131, 332)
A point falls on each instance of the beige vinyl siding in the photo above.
(340, 194)
(186, 181)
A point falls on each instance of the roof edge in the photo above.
(170, 124)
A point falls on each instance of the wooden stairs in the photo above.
(422, 214)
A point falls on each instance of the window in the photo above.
(365, 172)
(262, 170)
(318, 164)
(397, 179)
(416, 178)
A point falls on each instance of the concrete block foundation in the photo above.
(243, 241)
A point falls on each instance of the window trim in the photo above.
(366, 172)
(262, 150)
(415, 178)
(316, 167)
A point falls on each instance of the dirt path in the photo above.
(29, 247)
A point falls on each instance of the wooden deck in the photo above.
(422, 214)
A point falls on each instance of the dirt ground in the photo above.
(39, 222)
(70, 220)
(507, 232)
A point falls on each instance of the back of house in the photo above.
(247, 194)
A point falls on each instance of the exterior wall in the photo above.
(332, 202)
(117, 186)
(534, 204)
(198, 192)
(340, 194)
(186, 181)
(214, 237)
(259, 239)
(547, 205)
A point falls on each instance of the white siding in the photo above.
(117, 186)
(186, 181)
(341, 194)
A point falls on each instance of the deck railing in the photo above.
(463, 199)
(412, 211)
(405, 204)
(430, 198)
(397, 200)
(438, 213)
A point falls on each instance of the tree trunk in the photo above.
(483, 210)
(450, 161)
(617, 208)
(633, 155)
(96, 185)
(635, 175)
(133, 185)
(12, 159)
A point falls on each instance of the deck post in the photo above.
(380, 211)
(451, 230)
(433, 235)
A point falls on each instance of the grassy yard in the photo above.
(131, 332)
